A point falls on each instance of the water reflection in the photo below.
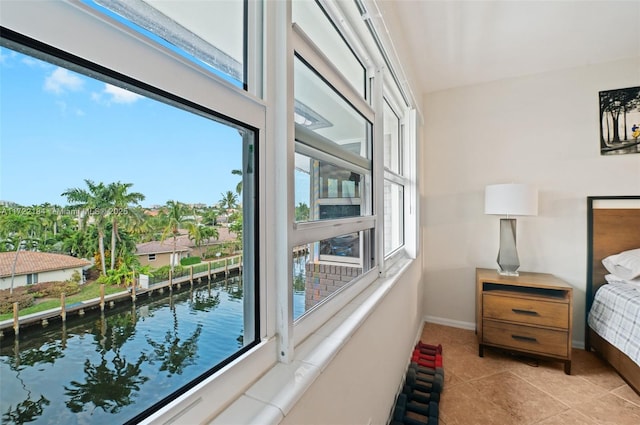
(106, 368)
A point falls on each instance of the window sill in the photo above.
(273, 396)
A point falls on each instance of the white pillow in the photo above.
(610, 278)
(625, 265)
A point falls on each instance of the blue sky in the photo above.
(58, 128)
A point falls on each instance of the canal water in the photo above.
(107, 368)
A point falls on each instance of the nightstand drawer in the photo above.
(530, 311)
(519, 337)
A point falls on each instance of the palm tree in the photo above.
(20, 230)
(210, 216)
(73, 243)
(138, 224)
(239, 185)
(175, 217)
(94, 204)
(229, 200)
(120, 200)
(199, 233)
(49, 220)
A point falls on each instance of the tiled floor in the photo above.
(501, 389)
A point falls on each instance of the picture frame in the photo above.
(620, 121)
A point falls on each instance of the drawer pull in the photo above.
(525, 312)
(524, 338)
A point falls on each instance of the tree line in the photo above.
(109, 215)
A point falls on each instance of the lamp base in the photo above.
(508, 261)
(508, 273)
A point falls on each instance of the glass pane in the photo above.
(214, 38)
(392, 144)
(315, 23)
(104, 186)
(393, 216)
(322, 110)
(321, 269)
(325, 191)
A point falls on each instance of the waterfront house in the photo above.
(158, 253)
(37, 267)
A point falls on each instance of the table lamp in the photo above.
(509, 200)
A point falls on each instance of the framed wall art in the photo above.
(620, 121)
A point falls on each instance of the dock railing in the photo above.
(195, 272)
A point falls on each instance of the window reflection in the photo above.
(320, 109)
(314, 22)
(325, 191)
(321, 269)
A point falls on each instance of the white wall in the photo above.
(360, 384)
(50, 276)
(542, 129)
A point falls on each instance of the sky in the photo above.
(58, 128)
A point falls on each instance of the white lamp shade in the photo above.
(511, 199)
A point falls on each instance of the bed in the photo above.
(613, 227)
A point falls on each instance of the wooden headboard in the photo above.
(613, 226)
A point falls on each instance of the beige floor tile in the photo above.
(569, 389)
(569, 417)
(628, 394)
(611, 410)
(505, 389)
(584, 361)
(463, 405)
(469, 366)
(439, 334)
(450, 379)
(604, 376)
(522, 400)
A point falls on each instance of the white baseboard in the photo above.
(470, 326)
(577, 344)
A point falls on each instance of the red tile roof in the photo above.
(183, 243)
(37, 262)
(158, 247)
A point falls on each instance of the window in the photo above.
(340, 129)
(317, 25)
(332, 175)
(152, 117)
(137, 165)
(210, 34)
(394, 181)
(392, 140)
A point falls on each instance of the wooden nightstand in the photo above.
(531, 313)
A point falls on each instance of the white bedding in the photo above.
(615, 316)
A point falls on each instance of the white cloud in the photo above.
(118, 95)
(35, 63)
(61, 80)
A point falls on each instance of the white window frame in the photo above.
(269, 98)
(109, 43)
(391, 97)
(309, 232)
(381, 83)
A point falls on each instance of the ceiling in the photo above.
(453, 43)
